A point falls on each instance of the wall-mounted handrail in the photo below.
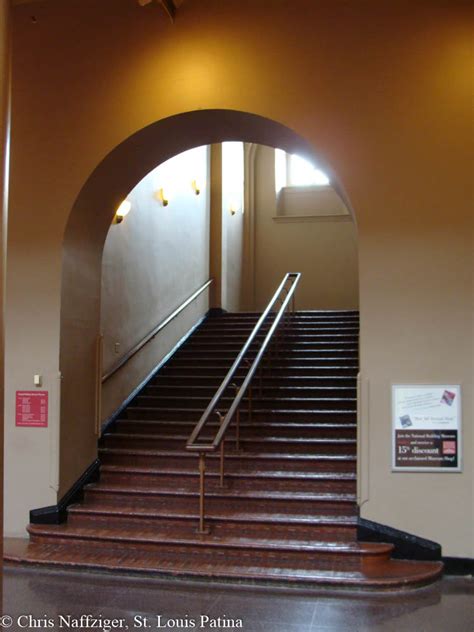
(156, 330)
(291, 279)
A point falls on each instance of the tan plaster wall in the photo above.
(381, 90)
(152, 262)
(5, 60)
(323, 250)
(232, 225)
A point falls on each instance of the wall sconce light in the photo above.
(122, 211)
(234, 207)
(195, 186)
(161, 197)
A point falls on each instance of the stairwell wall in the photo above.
(324, 251)
(152, 262)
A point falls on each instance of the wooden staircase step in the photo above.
(332, 369)
(234, 461)
(283, 502)
(343, 482)
(324, 429)
(392, 574)
(292, 415)
(307, 554)
(191, 380)
(296, 526)
(268, 390)
(278, 443)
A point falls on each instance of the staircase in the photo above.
(288, 511)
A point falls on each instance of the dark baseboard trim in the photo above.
(109, 423)
(55, 514)
(458, 565)
(216, 311)
(407, 546)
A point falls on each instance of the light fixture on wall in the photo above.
(195, 187)
(161, 197)
(234, 207)
(122, 211)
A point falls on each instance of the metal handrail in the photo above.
(225, 421)
(156, 330)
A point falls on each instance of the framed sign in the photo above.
(31, 409)
(426, 428)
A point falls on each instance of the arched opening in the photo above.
(84, 239)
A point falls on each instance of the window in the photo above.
(294, 171)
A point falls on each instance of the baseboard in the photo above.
(407, 545)
(56, 514)
(458, 565)
(109, 423)
(216, 311)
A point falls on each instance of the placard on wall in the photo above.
(426, 428)
(31, 409)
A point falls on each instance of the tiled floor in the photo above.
(447, 606)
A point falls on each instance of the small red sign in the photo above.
(32, 409)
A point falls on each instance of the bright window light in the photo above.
(303, 173)
(280, 170)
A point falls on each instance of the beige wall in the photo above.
(388, 111)
(152, 262)
(323, 249)
(232, 225)
(4, 155)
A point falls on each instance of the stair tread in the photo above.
(227, 515)
(243, 455)
(276, 474)
(245, 424)
(265, 439)
(258, 399)
(163, 536)
(392, 573)
(294, 411)
(222, 493)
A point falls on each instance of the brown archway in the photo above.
(84, 239)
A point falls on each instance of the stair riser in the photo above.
(273, 558)
(142, 427)
(331, 368)
(286, 416)
(232, 465)
(285, 347)
(191, 483)
(138, 442)
(257, 403)
(191, 504)
(293, 331)
(267, 392)
(271, 383)
(224, 528)
(322, 350)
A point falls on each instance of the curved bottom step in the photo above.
(391, 574)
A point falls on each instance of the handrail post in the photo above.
(202, 494)
(237, 422)
(222, 448)
(250, 403)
